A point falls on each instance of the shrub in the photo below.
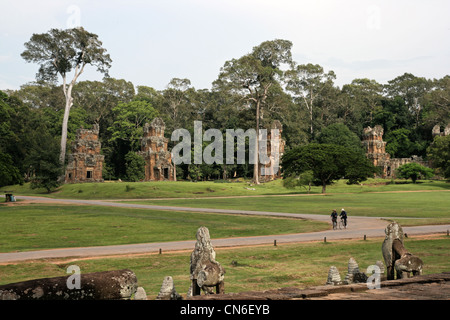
(414, 171)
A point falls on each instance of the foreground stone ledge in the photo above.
(432, 286)
(107, 285)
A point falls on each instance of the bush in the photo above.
(414, 171)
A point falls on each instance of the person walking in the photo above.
(343, 216)
(334, 218)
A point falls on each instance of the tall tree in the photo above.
(361, 100)
(340, 134)
(177, 104)
(412, 89)
(439, 154)
(253, 77)
(308, 82)
(43, 159)
(59, 52)
(126, 133)
(437, 103)
(130, 119)
(98, 98)
(328, 162)
(9, 169)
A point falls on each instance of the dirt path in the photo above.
(148, 248)
(355, 222)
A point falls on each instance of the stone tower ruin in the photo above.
(376, 152)
(269, 171)
(158, 160)
(376, 148)
(436, 131)
(85, 163)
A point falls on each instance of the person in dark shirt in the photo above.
(343, 216)
(334, 218)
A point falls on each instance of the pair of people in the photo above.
(343, 216)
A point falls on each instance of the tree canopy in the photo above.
(59, 52)
(250, 92)
(328, 163)
(254, 78)
(439, 154)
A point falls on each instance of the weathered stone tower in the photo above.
(376, 148)
(158, 161)
(376, 152)
(85, 162)
(271, 171)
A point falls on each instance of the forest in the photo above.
(266, 82)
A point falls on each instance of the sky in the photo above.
(150, 42)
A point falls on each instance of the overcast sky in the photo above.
(151, 42)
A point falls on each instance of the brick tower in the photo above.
(375, 148)
(158, 161)
(85, 163)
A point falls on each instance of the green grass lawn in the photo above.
(186, 189)
(434, 204)
(251, 268)
(38, 226)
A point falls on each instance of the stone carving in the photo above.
(380, 265)
(407, 263)
(140, 294)
(393, 231)
(85, 163)
(167, 291)
(353, 273)
(205, 272)
(107, 285)
(334, 278)
(353, 268)
(158, 161)
(396, 257)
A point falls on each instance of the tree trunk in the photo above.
(224, 173)
(62, 154)
(69, 103)
(324, 187)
